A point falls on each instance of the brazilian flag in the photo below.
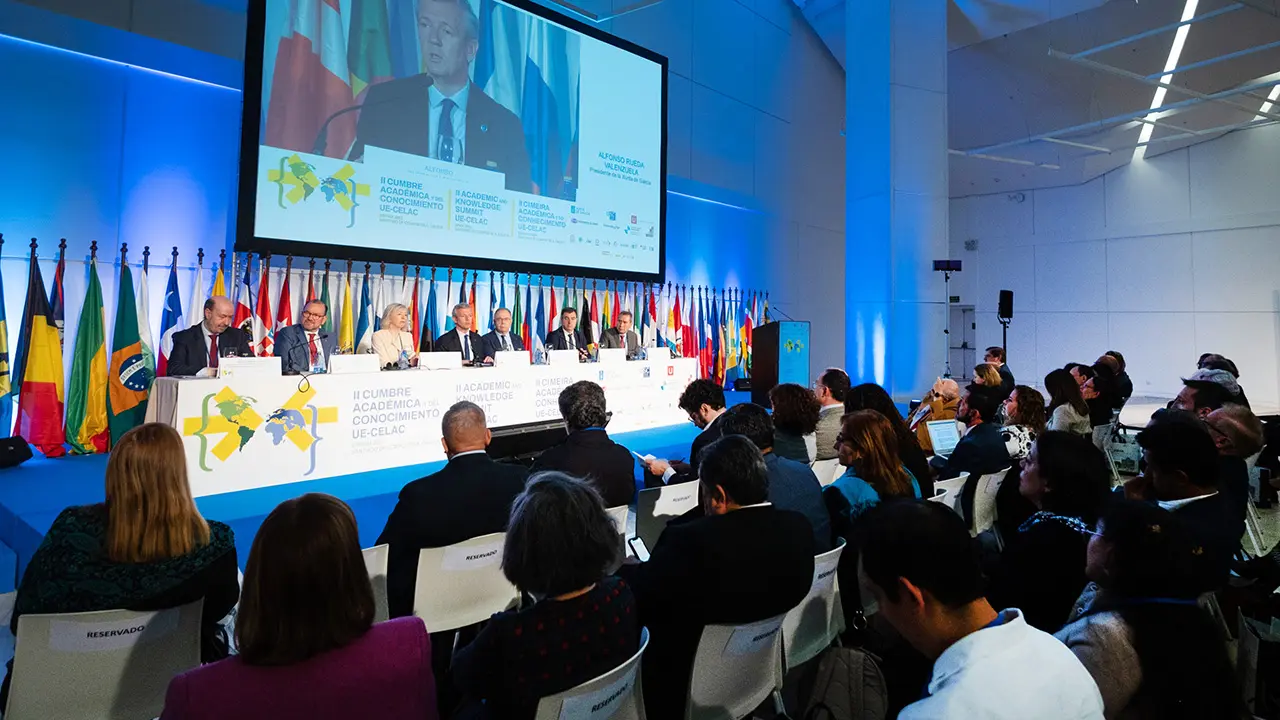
(129, 382)
(87, 429)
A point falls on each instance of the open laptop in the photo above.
(944, 434)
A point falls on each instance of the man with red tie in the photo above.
(305, 347)
(197, 350)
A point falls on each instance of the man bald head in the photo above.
(217, 314)
(464, 429)
(1235, 430)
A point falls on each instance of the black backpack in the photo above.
(848, 686)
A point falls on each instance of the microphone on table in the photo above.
(322, 136)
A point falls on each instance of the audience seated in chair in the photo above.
(1124, 384)
(987, 375)
(1181, 474)
(792, 485)
(744, 562)
(308, 645)
(1238, 435)
(145, 548)
(831, 388)
(923, 571)
(560, 543)
(1041, 570)
(940, 403)
(869, 396)
(995, 355)
(869, 451)
(982, 450)
(1138, 630)
(796, 412)
(1024, 422)
(1068, 411)
(588, 453)
(703, 401)
(1207, 390)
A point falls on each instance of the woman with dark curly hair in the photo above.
(795, 420)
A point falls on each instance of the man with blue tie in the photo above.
(500, 339)
(462, 338)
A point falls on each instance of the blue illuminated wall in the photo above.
(123, 126)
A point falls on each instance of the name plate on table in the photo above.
(658, 352)
(249, 367)
(346, 364)
(510, 358)
(612, 355)
(440, 360)
(562, 357)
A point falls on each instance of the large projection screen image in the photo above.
(473, 133)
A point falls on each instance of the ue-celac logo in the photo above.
(793, 346)
(296, 181)
(229, 421)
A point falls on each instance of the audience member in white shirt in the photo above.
(923, 570)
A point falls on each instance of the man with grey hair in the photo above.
(588, 452)
(441, 113)
(197, 350)
(470, 496)
(462, 338)
(501, 338)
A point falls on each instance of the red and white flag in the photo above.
(284, 311)
(311, 81)
(244, 300)
(263, 335)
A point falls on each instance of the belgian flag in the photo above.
(40, 396)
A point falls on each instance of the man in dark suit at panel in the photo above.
(588, 452)
(703, 402)
(201, 346)
(622, 336)
(440, 113)
(305, 346)
(746, 561)
(462, 338)
(568, 336)
(470, 496)
(500, 338)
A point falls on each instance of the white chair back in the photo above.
(735, 669)
(827, 470)
(984, 502)
(948, 492)
(462, 584)
(613, 695)
(619, 515)
(815, 623)
(375, 561)
(94, 665)
(655, 507)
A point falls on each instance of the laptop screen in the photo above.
(944, 434)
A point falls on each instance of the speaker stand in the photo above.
(1004, 337)
(946, 331)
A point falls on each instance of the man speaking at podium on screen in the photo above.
(441, 114)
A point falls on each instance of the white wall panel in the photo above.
(1069, 337)
(1158, 349)
(724, 140)
(773, 74)
(1148, 192)
(726, 41)
(1074, 212)
(1252, 341)
(1237, 270)
(1021, 346)
(679, 124)
(1001, 219)
(1237, 174)
(1151, 274)
(926, 112)
(1071, 277)
(1006, 269)
(665, 28)
(925, 217)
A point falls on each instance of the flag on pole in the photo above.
(40, 390)
(415, 318)
(747, 327)
(55, 296)
(311, 284)
(471, 300)
(264, 336)
(595, 312)
(87, 429)
(431, 322)
(376, 304)
(588, 327)
(553, 316)
(243, 318)
(129, 379)
(364, 324)
(517, 313)
(502, 281)
(284, 310)
(448, 298)
(346, 328)
(6, 385)
(616, 307)
(144, 327)
(195, 310)
(493, 299)
(324, 298)
(170, 320)
(539, 349)
(219, 285)
(526, 330)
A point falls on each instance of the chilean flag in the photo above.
(170, 321)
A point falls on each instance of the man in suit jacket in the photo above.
(622, 336)
(440, 113)
(568, 336)
(982, 450)
(588, 452)
(995, 356)
(462, 338)
(703, 401)
(200, 346)
(304, 346)
(792, 485)
(500, 338)
(470, 496)
(745, 561)
(832, 388)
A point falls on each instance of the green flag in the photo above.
(87, 396)
(369, 49)
(324, 298)
(129, 381)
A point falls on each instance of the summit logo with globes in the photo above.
(228, 422)
(296, 182)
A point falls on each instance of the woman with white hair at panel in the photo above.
(395, 340)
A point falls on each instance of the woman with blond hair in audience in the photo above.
(986, 374)
(796, 411)
(308, 646)
(1068, 412)
(560, 544)
(145, 548)
(394, 341)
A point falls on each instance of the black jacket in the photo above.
(189, 355)
(603, 463)
(556, 341)
(468, 497)
(1218, 527)
(980, 452)
(689, 471)
(1041, 572)
(611, 338)
(1006, 380)
(449, 342)
(745, 566)
(397, 116)
(491, 346)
